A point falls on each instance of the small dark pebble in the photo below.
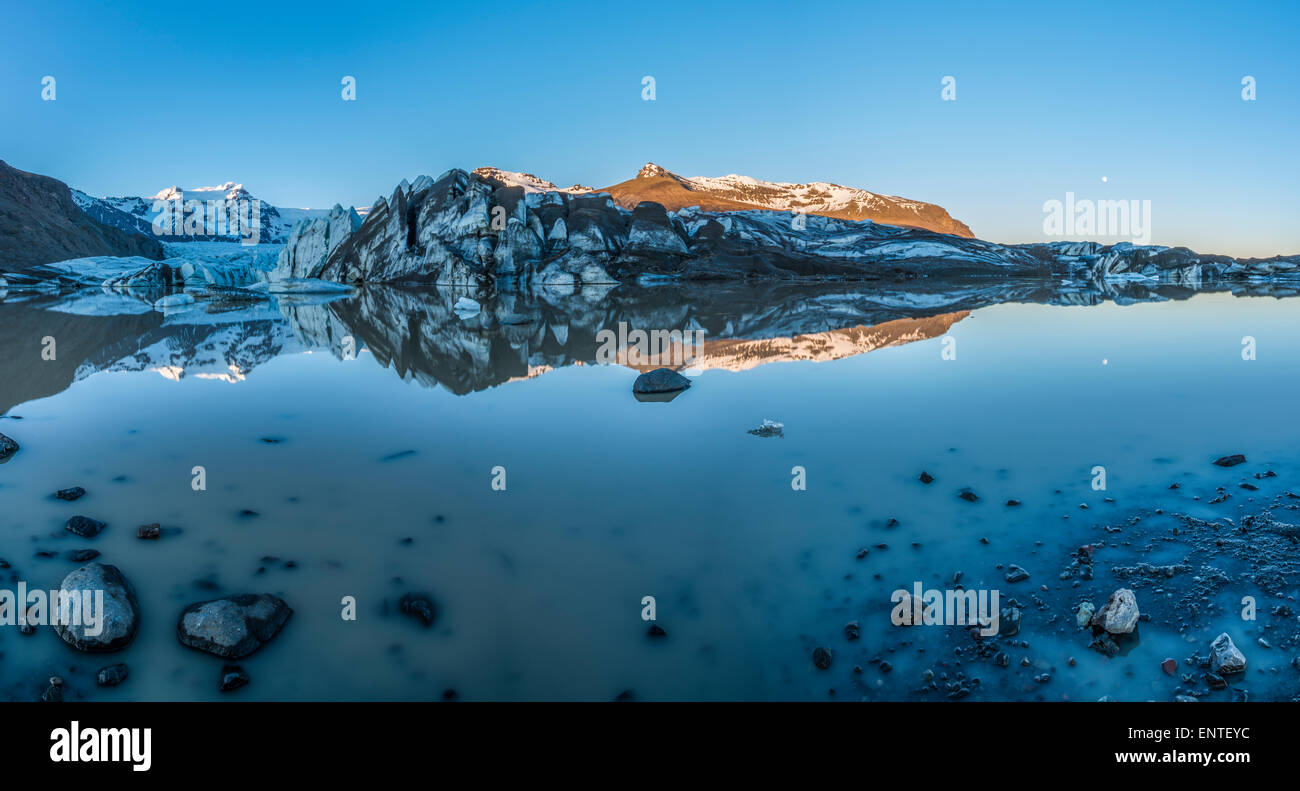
(75, 493)
(1015, 574)
(54, 692)
(233, 677)
(420, 608)
(822, 657)
(112, 675)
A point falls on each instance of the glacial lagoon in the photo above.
(349, 445)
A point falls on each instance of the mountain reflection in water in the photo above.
(419, 335)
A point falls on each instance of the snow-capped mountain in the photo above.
(528, 181)
(465, 229)
(740, 193)
(137, 214)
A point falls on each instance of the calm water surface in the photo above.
(608, 499)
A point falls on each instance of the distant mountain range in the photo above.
(137, 214)
(498, 229)
(505, 230)
(42, 220)
(742, 193)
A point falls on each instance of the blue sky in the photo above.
(1050, 99)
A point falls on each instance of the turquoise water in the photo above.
(608, 499)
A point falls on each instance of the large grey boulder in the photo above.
(98, 631)
(232, 627)
(1120, 614)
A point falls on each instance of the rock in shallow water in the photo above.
(1225, 656)
(54, 692)
(1120, 614)
(418, 607)
(1230, 461)
(822, 657)
(232, 627)
(1015, 574)
(660, 380)
(84, 526)
(68, 495)
(233, 677)
(115, 625)
(112, 675)
(770, 428)
(7, 448)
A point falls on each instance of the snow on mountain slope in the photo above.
(739, 193)
(137, 214)
(528, 181)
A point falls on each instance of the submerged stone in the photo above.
(112, 675)
(822, 657)
(418, 607)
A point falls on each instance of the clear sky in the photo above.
(1051, 98)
